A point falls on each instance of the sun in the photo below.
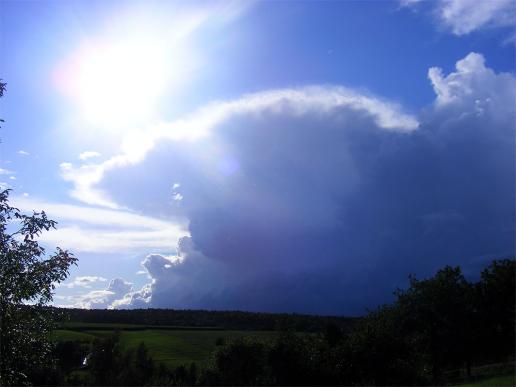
(115, 83)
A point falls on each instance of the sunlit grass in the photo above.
(172, 347)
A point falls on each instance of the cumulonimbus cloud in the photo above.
(320, 210)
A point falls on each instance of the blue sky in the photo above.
(275, 156)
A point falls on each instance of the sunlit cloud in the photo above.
(83, 282)
(87, 229)
(463, 17)
(88, 155)
(5, 172)
(116, 290)
(295, 102)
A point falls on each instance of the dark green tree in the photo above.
(27, 276)
(293, 360)
(438, 314)
(144, 364)
(496, 306)
(238, 362)
(106, 359)
(380, 352)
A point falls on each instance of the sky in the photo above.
(296, 156)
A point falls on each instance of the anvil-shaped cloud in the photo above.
(319, 199)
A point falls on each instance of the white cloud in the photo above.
(474, 87)
(465, 16)
(5, 172)
(65, 166)
(23, 153)
(88, 155)
(83, 281)
(89, 229)
(102, 299)
(295, 102)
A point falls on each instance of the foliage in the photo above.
(438, 324)
(379, 352)
(439, 314)
(239, 362)
(27, 276)
(496, 309)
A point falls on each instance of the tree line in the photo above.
(231, 320)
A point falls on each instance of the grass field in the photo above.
(170, 346)
(506, 380)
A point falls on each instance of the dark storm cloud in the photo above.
(328, 212)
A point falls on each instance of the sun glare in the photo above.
(117, 83)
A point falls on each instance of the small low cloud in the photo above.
(463, 17)
(102, 299)
(23, 153)
(88, 155)
(5, 172)
(65, 166)
(83, 282)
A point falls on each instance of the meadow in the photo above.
(497, 381)
(173, 346)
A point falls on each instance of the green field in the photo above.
(506, 380)
(171, 346)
